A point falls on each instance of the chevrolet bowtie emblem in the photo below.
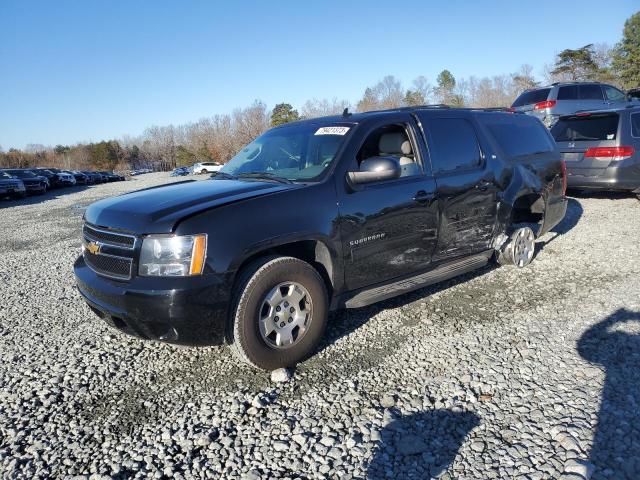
(93, 247)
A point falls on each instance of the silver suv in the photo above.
(566, 98)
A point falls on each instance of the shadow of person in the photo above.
(616, 444)
(421, 445)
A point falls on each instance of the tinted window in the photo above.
(568, 93)
(532, 96)
(519, 135)
(590, 92)
(454, 145)
(614, 94)
(592, 127)
(635, 124)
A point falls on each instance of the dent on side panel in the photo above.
(467, 226)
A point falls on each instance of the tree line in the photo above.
(219, 137)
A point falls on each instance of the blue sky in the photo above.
(90, 70)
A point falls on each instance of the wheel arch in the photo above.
(314, 251)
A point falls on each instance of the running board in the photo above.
(399, 287)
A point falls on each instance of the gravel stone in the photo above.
(500, 373)
(281, 375)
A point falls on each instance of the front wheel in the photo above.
(280, 313)
(204, 171)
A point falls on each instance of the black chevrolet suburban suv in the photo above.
(317, 215)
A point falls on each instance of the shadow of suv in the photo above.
(566, 98)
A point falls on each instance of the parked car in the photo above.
(80, 178)
(63, 179)
(601, 149)
(205, 167)
(342, 211)
(52, 178)
(181, 172)
(33, 184)
(94, 177)
(551, 102)
(111, 177)
(10, 186)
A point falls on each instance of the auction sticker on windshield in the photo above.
(332, 131)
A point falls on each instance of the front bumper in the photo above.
(619, 176)
(35, 187)
(185, 311)
(12, 190)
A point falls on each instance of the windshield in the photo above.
(300, 152)
(22, 173)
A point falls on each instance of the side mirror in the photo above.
(376, 169)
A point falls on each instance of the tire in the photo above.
(256, 285)
(204, 171)
(519, 249)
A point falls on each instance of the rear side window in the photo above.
(614, 94)
(592, 127)
(519, 135)
(454, 144)
(568, 93)
(635, 125)
(532, 96)
(590, 92)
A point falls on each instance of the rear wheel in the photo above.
(519, 249)
(280, 313)
(204, 171)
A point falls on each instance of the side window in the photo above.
(590, 92)
(635, 125)
(392, 141)
(568, 93)
(454, 145)
(613, 94)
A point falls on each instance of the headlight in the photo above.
(173, 256)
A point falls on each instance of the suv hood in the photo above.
(159, 209)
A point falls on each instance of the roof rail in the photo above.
(574, 82)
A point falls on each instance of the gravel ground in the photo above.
(503, 373)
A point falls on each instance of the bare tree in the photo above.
(322, 108)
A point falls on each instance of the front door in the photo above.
(389, 228)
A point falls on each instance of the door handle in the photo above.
(423, 196)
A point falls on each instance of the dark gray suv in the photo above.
(601, 149)
(551, 102)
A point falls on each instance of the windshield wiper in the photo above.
(222, 176)
(264, 176)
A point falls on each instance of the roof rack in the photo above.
(574, 82)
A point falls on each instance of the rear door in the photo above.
(590, 97)
(576, 134)
(466, 189)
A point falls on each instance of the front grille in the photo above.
(109, 265)
(114, 255)
(119, 239)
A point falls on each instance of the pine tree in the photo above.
(626, 57)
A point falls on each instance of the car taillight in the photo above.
(615, 153)
(563, 169)
(545, 104)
